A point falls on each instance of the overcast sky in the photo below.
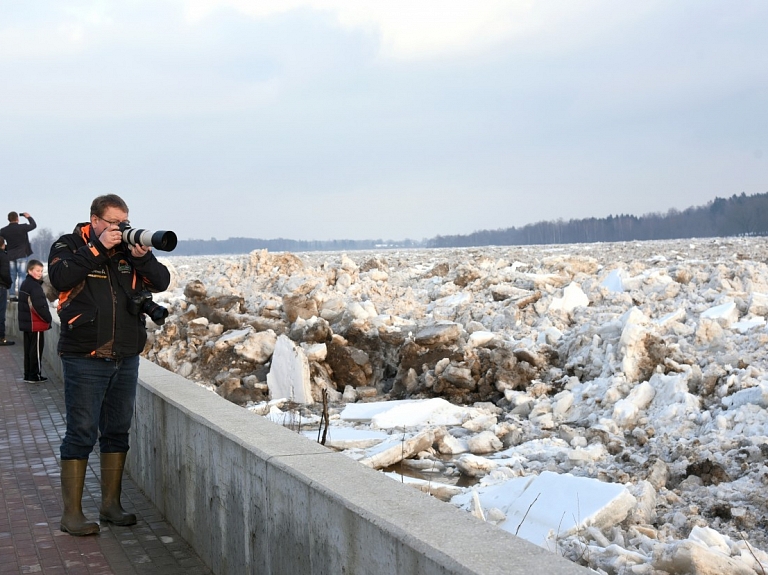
(359, 119)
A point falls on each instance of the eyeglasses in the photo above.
(126, 222)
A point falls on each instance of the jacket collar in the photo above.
(84, 231)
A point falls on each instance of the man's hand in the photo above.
(25, 214)
(138, 251)
(110, 237)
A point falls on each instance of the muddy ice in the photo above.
(636, 366)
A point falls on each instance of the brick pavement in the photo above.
(31, 427)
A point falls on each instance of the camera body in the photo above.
(161, 240)
(142, 302)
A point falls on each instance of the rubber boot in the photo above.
(72, 480)
(112, 465)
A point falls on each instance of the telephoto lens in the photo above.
(161, 240)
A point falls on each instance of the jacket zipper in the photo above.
(114, 310)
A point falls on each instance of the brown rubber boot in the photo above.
(72, 480)
(112, 465)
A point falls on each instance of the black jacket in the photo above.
(5, 270)
(32, 297)
(95, 286)
(17, 239)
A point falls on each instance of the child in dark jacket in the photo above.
(34, 319)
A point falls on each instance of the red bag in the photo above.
(38, 323)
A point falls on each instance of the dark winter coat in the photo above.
(5, 270)
(34, 313)
(95, 286)
(17, 239)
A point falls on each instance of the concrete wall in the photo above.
(253, 497)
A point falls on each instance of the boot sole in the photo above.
(120, 523)
(90, 531)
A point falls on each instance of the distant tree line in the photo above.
(734, 216)
(739, 215)
(41, 243)
(246, 245)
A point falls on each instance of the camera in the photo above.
(161, 240)
(142, 303)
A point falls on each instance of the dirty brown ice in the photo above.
(639, 364)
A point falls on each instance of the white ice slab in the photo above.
(614, 281)
(289, 374)
(407, 413)
(573, 297)
(552, 505)
(363, 412)
(757, 395)
(726, 312)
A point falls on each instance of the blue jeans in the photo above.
(3, 307)
(99, 395)
(18, 272)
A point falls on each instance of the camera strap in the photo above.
(116, 274)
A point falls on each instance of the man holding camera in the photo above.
(19, 248)
(99, 278)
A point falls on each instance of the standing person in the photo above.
(5, 283)
(34, 319)
(19, 249)
(99, 279)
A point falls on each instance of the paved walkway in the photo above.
(31, 427)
